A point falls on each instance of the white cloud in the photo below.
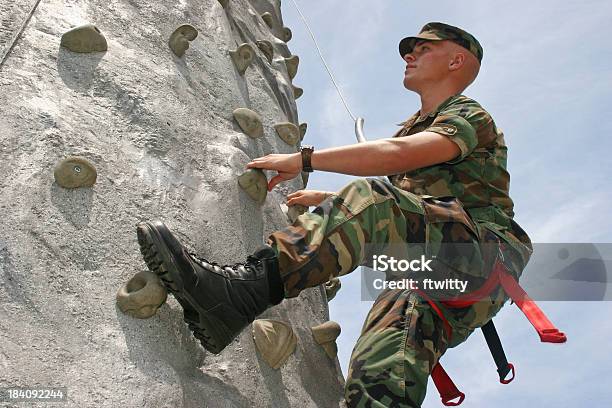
(573, 221)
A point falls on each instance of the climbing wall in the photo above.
(160, 125)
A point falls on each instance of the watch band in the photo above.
(306, 152)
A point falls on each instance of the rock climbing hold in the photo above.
(266, 47)
(142, 295)
(275, 341)
(297, 92)
(326, 334)
(268, 19)
(288, 132)
(85, 38)
(242, 57)
(255, 183)
(294, 211)
(303, 128)
(287, 35)
(292, 65)
(305, 176)
(332, 287)
(179, 39)
(249, 122)
(74, 172)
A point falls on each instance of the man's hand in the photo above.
(307, 197)
(288, 166)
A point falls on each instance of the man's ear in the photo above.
(456, 62)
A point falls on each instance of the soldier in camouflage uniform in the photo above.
(447, 183)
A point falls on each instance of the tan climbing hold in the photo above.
(180, 38)
(249, 122)
(287, 35)
(142, 295)
(85, 38)
(266, 47)
(242, 57)
(292, 65)
(74, 172)
(303, 128)
(268, 19)
(255, 183)
(288, 132)
(326, 334)
(332, 287)
(294, 211)
(275, 341)
(305, 176)
(297, 92)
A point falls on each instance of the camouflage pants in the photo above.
(402, 338)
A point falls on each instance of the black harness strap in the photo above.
(497, 351)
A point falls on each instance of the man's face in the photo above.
(426, 64)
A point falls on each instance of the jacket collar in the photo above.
(414, 119)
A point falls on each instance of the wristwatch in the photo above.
(306, 152)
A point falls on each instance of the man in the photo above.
(449, 184)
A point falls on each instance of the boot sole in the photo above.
(161, 262)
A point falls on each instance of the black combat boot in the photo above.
(218, 301)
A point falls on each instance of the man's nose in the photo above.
(409, 57)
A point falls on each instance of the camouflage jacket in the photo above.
(477, 177)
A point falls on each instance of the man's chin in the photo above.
(408, 84)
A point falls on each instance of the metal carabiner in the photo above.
(359, 130)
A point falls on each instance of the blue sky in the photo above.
(547, 80)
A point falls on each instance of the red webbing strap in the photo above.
(485, 290)
(547, 331)
(446, 387)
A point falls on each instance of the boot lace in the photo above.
(203, 261)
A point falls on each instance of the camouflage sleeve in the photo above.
(460, 123)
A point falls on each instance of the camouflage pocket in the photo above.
(447, 210)
(518, 248)
(452, 239)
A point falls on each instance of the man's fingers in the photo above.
(295, 194)
(259, 165)
(254, 163)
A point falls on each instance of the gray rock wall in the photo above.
(160, 132)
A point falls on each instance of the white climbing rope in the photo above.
(7, 51)
(358, 121)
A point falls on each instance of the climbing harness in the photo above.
(358, 121)
(8, 50)
(500, 276)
